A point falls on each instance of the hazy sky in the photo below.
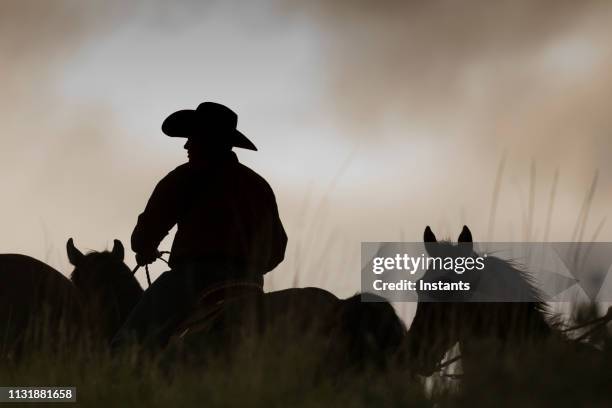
(373, 119)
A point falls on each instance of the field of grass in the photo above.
(285, 372)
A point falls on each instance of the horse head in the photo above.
(501, 305)
(106, 286)
(434, 329)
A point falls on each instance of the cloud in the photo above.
(46, 140)
(440, 89)
(423, 59)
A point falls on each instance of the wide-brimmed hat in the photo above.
(211, 121)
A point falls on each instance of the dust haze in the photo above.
(374, 119)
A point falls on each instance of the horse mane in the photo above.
(511, 272)
(498, 272)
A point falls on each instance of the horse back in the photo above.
(293, 311)
(29, 290)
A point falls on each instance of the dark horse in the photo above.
(33, 295)
(102, 291)
(363, 330)
(440, 324)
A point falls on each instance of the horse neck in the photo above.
(433, 332)
(500, 281)
(108, 305)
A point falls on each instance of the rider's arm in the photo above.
(276, 235)
(158, 218)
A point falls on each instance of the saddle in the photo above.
(212, 301)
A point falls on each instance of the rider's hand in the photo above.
(145, 258)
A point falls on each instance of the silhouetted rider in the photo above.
(227, 218)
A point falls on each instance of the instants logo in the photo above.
(411, 264)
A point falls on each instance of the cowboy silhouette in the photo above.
(228, 223)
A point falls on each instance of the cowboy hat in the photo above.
(209, 120)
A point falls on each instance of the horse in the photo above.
(95, 300)
(442, 323)
(102, 291)
(33, 297)
(362, 330)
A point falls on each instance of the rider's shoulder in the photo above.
(184, 168)
(177, 174)
(253, 175)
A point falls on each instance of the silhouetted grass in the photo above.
(263, 372)
(272, 372)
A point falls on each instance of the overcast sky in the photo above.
(372, 121)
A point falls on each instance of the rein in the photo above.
(447, 363)
(147, 266)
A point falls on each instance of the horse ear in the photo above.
(430, 241)
(118, 250)
(466, 235)
(74, 255)
(465, 238)
(428, 235)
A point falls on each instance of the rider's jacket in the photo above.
(224, 211)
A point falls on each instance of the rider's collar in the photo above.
(217, 159)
